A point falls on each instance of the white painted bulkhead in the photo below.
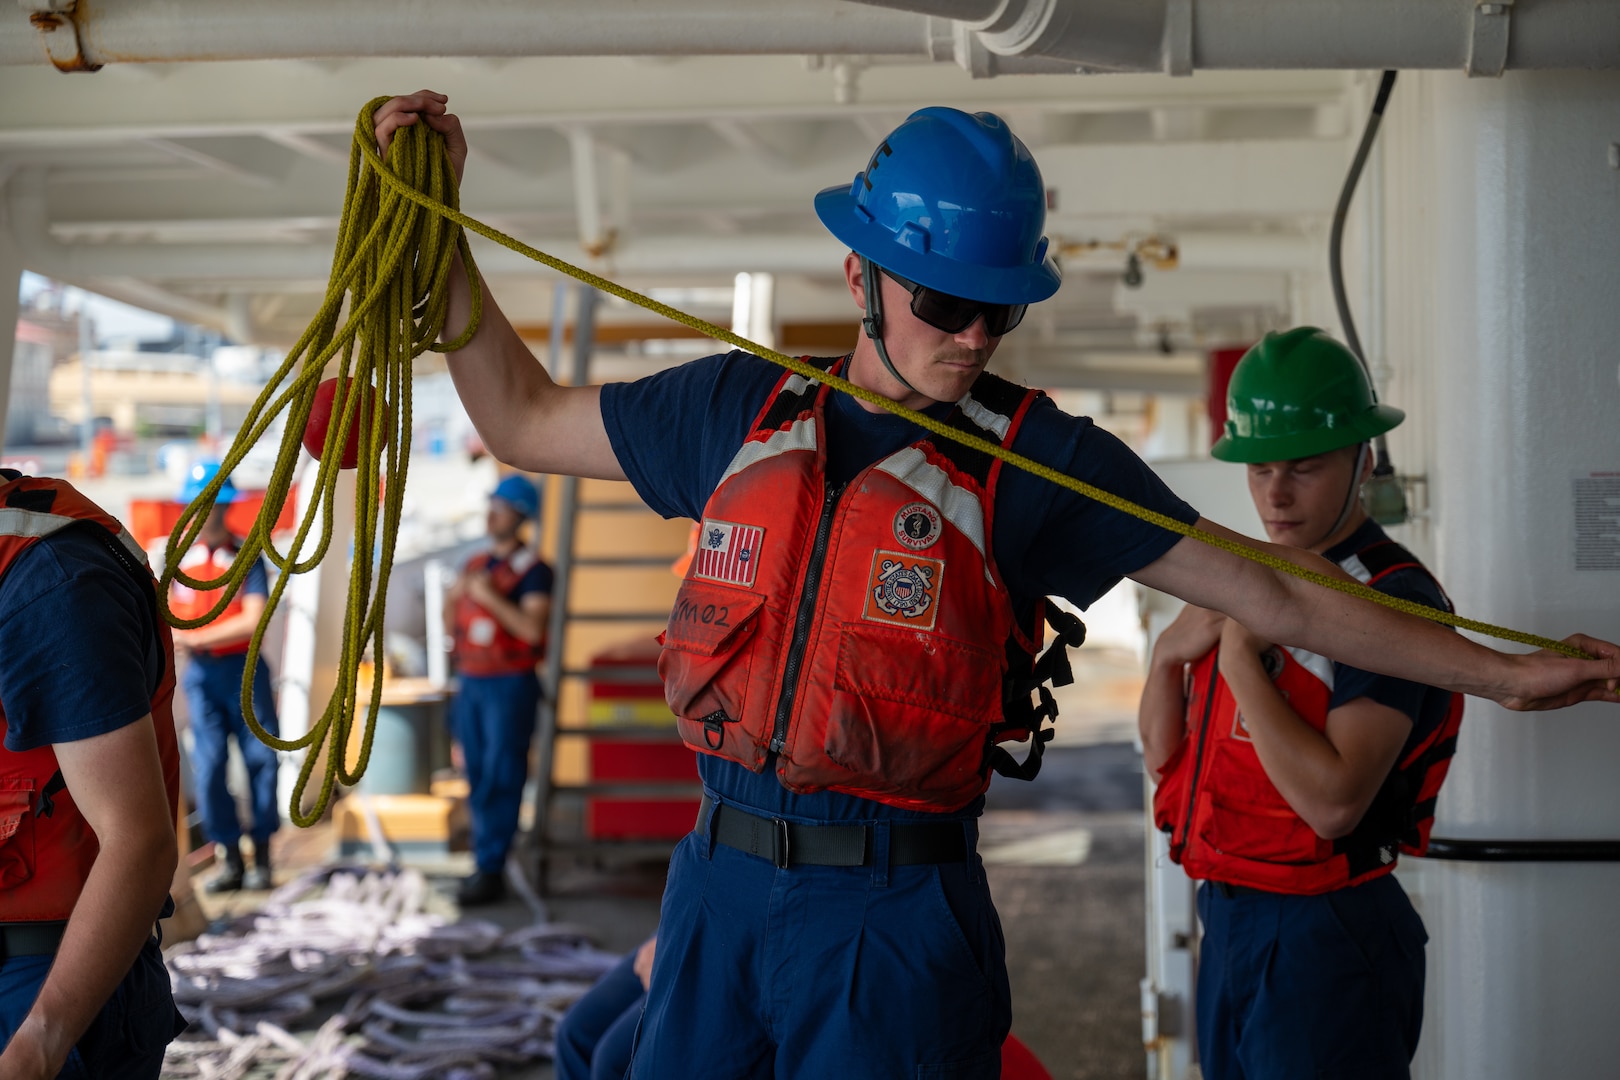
(1502, 285)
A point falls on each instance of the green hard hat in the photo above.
(1296, 394)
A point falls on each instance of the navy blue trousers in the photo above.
(493, 719)
(813, 972)
(213, 688)
(126, 1039)
(597, 1033)
(1325, 987)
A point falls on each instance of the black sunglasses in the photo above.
(953, 314)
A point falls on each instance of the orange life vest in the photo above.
(484, 647)
(1225, 818)
(46, 846)
(206, 563)
(863, 634)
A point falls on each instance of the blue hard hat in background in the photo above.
(519, 493)
(953, 201)
(197, 479)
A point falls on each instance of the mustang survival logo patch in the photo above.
(904, 590)
(917, 526)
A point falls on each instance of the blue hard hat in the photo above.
(197, 479)
(519, 493)
(953, 201)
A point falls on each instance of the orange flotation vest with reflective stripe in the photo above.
(483, 647)
(46, 846)
(863, 634)
(1227, 822)
(206, 563)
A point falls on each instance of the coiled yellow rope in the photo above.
(390, 269)
(395, 247)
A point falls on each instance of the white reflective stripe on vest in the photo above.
(37, 526)
(959, 506)
(1356, 568)
(33, 524)
(799, 435)
(982, 415)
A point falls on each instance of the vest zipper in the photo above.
(1198, 759)
(803, 619)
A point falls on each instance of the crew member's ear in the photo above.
(852, 279)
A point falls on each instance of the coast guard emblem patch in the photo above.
(904, 590)
(727, 552)
(917, 526)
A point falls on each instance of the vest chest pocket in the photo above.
(706, 659)
(16, 830)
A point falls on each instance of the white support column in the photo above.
(1502, 281)
(11, 268)
(315, 604)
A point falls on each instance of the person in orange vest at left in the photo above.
(89, 789)
(213, 686)
(496, 615)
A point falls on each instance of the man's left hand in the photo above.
(1548, 680)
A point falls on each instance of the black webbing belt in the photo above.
(788, 843)
(30, 938)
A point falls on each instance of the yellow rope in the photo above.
(396, 245)
(390, 270)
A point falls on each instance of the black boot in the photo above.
(481, 888)
(258, 878)
(229, 879)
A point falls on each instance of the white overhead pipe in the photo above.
(29, 223)
(136, 31)
(1177, 36)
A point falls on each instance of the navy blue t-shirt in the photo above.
(81, 654)
(1425, 705)
(674, 433)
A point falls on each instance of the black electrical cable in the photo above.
(1382, 466)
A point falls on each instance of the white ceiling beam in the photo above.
(1255, 179)
(235, 98)
(240, 157)
(307, 145)
(779, 152)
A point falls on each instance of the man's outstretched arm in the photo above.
(524, 418)
(1282, 608)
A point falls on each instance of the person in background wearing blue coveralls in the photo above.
(496, 614)
(217, 655)
(808, 932)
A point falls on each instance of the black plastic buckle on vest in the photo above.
(1019, 714)
(714, 728)
(47, 804)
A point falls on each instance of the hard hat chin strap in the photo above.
(872, 322)
(1352, 498)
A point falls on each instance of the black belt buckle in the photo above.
(781, 851)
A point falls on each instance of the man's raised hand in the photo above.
(431, 107)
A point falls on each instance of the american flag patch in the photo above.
(727, 552)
